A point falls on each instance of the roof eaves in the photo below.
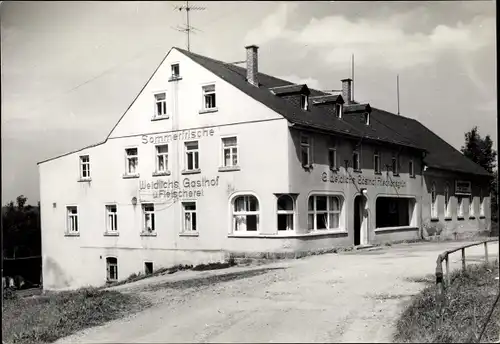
(72, 152)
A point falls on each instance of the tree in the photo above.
(480, 150)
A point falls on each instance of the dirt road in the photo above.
(350, 297)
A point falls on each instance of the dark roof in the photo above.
(384, 126)
(357, 108)
(289, 89)
(329, 98)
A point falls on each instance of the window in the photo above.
(394, 212)
(376, 162)
(481, 204)
(209, 97)
(366, 116)
(447, 202)
(245, 214)
(471, 206)
(355, 161)
(112, 269)
(72, 215)
(304, 102)
(285, 213)
(338, 110)
(149, 218)
(175, 71)
(230, 151)
(111, 218)
(148, 268)
(132, 161)
(434, 213)
(332, 158)
(189, 215)
(161, 104)
(84, 167)
(411, 168)
(305, 150)
(395, 165)
(323, 212)
(191, 162)
(460, 207)
(162, 158)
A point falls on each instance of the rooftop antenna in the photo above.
(187, 29)
(397, 81)
(352, 77)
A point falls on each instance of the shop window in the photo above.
(285, 213)
(245, 214)
(112, 269)
(394, 212)
(324, 212)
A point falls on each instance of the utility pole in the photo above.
(397, 82)
(187, 29)
(352, 77)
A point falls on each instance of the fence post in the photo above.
(463, 259)
(486, 252)
(448, 271)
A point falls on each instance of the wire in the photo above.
(488, 319)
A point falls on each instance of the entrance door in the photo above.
(360, 221)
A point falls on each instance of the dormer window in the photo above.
(338, 110)
(304, 102)
(366, 117)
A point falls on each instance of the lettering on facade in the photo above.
(362, 180)
(173, 190)
(181, 135)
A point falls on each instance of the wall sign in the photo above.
(463, 187)
(163, 190)
(362, 180)
(180, 135)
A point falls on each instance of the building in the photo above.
(212, 159)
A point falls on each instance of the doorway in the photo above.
(360, 221)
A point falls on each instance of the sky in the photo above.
(70, 69)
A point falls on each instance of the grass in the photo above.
(44, 319)
(469, 299)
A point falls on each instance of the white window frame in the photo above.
(193, 154)
(245, 212)
(288, 213)
(161, 156)
(72, 225)
(128, 158)
(111, 218)
(206, 93)
(326, 212)
(151, 213)
(185, 229)
(233, 151)
(356, 152)
(434, 209)
(472, 212)
(460, 206)
(163, 105)
(306, 146)
(338, 110)
(481, 203)
(447, 214)
(108, 269)
(376, 157)
(178, 75)
(395, 158)
(411, 167)
(334, 166)
(84, 164)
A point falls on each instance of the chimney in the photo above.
(252, 65)
(347, 91)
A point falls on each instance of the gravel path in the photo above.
(350, 297)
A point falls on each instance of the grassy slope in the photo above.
(46, 318)
(469, 300)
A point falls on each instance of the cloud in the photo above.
(378, 42)
(310, 82)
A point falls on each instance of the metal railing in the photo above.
(443, 281)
